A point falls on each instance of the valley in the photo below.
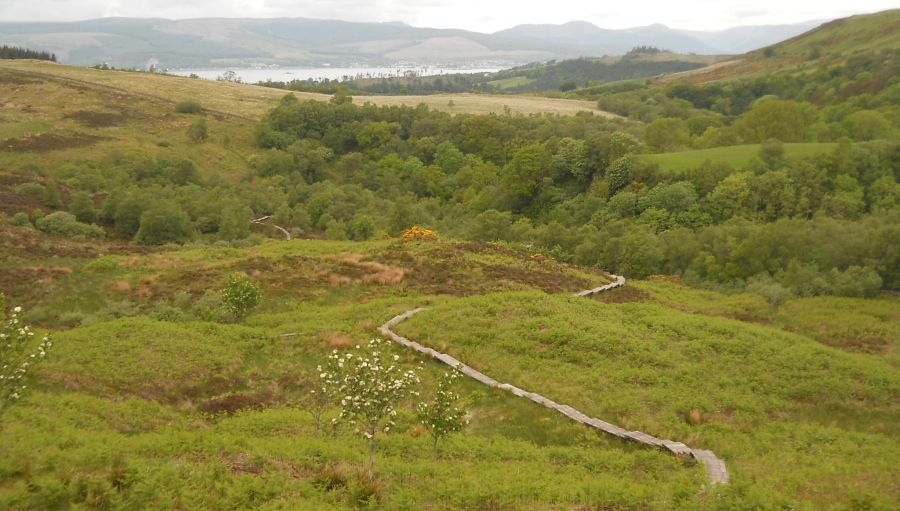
(670, 291)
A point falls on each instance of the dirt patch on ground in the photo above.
(97, 119)
(858, 344)
(26, 242)
(549, 281)
(625, 294)
(26, 286)
(8, 79)
(447, 268)
(11, 201)
(45, 142)
(355, 268)
(233, 402)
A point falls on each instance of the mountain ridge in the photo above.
(245, 42)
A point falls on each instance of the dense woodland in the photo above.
(576, 188)
(582, 189)
(16, 52)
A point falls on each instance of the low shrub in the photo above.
(21, 219)
(417, 233)
(240, 295)
(65, 224)
(189, 106)
(31, 189)
(198, 131)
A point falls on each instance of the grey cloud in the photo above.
(483, 15)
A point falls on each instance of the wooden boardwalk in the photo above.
(716, 471)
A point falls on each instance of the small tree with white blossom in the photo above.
(440, 416)
(17, 355)
(319, 399)
(240, 295)
(368, 388)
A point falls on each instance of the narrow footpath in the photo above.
(716, 471)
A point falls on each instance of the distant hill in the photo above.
(219, 42)
(866, 36)
(743, 39)
(587, 36)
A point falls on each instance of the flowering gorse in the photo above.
(417, 233)
(368, 386)
(17, 355)
(440, 416)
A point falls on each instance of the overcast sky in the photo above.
(478, 15)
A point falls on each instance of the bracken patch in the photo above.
(45, 142)
(97, 119)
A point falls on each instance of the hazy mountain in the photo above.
(215, 42)
(590, 39)
(584, 35)
(744, 39)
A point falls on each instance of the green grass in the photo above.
(252, 101)
(855, 34)
(832, 43)
(737, 156)
(118, 421)
(512, 82)
(869, 326)
(804, 421)
(138, 412)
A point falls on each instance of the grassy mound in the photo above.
(783, 410)
(738, 156)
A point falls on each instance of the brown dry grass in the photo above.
(97, 119)
(253, 101)
(366, 272)
(335, 280)
(121, 286)
(43, 142)
(385, 275)
(336, 340)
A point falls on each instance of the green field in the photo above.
(161, 408)
(645, 366)
(153, 405)
(510, 83)
(253, 101)
(737, 156)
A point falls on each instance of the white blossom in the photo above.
(17, 355)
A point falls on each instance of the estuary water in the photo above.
(286, 74)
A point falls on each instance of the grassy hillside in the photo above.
(167, 408)
(639, 63)
(834, 42)
(253, 101)
(545, 77)
(54, 115)
(737, 156)
(154, 397)
(151, 403)
(780, 423)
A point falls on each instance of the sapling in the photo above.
(240, 295)
(17, 354)
(368, 386)
(319, 399)
(441, 416)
